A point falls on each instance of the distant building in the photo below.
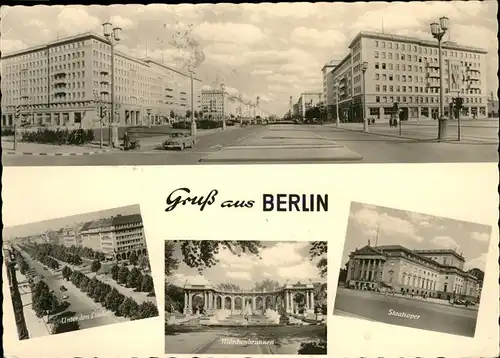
(327, 97)
(307, 100)
(434, 273)
(492, 107)
(117, 237)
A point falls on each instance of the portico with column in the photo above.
(365, 267)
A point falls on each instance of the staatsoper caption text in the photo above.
(270, 202)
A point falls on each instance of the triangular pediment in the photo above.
(368, 250)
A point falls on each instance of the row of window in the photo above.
(424, 50)
(418, 99)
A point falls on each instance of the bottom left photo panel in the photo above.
(78, 272)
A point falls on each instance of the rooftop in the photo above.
(126, 219)
(447, 45)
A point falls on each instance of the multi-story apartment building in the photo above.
(327, 97)
(433, 273)
(64, 82)
(117, 237)
(307, 100)
(406, 70)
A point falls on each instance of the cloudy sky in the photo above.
(415, 231)
(42, 226)
(267, 50)
(280, 261)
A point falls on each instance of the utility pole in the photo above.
(290, 109)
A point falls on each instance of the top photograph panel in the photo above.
(249, 84)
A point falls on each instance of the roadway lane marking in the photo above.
(324, 138)
(240, 139)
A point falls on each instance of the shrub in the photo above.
(59, 136)
(200, 124)
(7, 132)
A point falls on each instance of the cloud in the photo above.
(283, 254)
(300, 272)
(477, 262)
(11, 45)
(239, 275)
(371, 219)
(74, 20)
(259, 72)
(122, 22)
(180, 279)
(229, 32)
(314, 37)
(446, 242)
(480, 236)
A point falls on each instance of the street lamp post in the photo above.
(193, 121)
(337, 121)
(112, 34)
(438, 31)
(222, 87)
(364, 67)
(97, 99)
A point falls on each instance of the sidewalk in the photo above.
(47, 149)
(36, 326)
(409, 132)
(433, 300)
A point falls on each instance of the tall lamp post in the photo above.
(193, 121)
(112, 34)
(337, 87)
(98, 102)
(364, 67)
(438, 31)
(222, 88)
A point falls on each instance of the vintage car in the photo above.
(179, 140)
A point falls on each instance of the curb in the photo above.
(434, 140)
(11, 152)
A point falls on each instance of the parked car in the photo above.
(63, 288)
(65, 297)
(179, 140)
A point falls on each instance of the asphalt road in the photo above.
(242, 340)
(431, 316)
(92, 314)
(382, 145)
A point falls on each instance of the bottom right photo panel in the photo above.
(411, 269)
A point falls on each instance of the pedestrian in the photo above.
(126, 140)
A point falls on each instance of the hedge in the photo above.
(200, 124)
(59, 136)
(7, 132)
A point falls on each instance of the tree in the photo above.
(146, 310)
(202, 254)
(147, 284)
(228, 286)
(123, 274)
(132, 277)
(174, 298)
(319, 249)
(172, 114)
(133, 258)
(171, 263)
(96, 266)
(114, 271)
(267, 285)
(188, 114)
(320, 296)
(124, 309)
(143, 262)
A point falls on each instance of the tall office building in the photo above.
(327, 97)
(64, 82)
(406, 70)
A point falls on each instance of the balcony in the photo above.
(59, 84)
(104, 72)
(104, 92)
(59, 75)
(60, 93)
(431, 65)
(432, 74)
(104, 82)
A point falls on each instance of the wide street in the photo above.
(80, 303)
(292, 143)
(433, 316)
(241, 340)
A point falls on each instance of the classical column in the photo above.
(186, 303)
(312, 301)
(308, 298)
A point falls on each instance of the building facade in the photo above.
(214, 106)
(307, 100)
(430, 273)
(117, 237)
(327, 97)
(65, 82)
(406, 70)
